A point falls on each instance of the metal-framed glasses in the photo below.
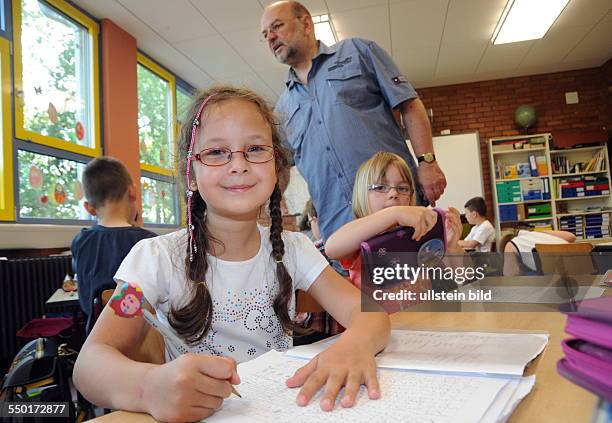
(218, 156)
(274, 28)
(401, 189)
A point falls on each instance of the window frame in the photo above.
(93, 30)
(169, 77)
(7, 191)
(176, 199)
(51, 152)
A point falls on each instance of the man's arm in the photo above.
(430, 175)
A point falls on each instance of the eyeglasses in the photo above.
(222, 156)
(402, 189)
(274, 28)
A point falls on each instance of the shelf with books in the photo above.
(561, 175)
(552, 187)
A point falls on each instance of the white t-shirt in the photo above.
(483, 233)
(525, 242)
(244, 324)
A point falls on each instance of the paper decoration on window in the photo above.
(79, 130)
(143, 146)
(36, 177)
(60, 194)
(162, 157)
(43, 199)
(78, 191)
(163, 193)
(52, 112)
(38, 90)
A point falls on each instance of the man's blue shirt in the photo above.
(340, 119)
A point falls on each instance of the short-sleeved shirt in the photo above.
(340, 119)
(243, 324)
(484, 233)
(98, 251)
(525, 242)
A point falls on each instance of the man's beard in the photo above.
(290, 54)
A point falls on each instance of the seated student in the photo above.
(99, 250)
(383, 197)
(225, 285)
(482, 234)
(518, 248)
(321, 322)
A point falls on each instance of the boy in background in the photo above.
(98, 251)
(482, 234)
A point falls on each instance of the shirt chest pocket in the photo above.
(294, 126)
(347, 82)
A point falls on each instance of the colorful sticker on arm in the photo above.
(128, 302)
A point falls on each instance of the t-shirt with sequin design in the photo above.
(244, 324)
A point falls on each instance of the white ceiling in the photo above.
(434, 42)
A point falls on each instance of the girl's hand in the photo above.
(338, 366)
(421, 219)
(190, 388)
(453, 229)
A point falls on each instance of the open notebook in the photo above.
(407, 395)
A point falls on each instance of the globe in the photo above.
(525, 116)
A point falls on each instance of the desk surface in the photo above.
(553, 398)
(60, 296)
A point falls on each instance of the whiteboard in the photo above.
(459, 158)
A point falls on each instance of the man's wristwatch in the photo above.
(427, 158)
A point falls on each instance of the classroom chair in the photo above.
(561, 258)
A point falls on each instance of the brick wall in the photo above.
(488, 107)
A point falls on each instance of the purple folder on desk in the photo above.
(591, 321)
(390, 248)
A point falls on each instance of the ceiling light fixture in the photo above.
(524, 20)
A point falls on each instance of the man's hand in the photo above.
(432, 181)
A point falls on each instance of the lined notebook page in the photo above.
(406, 396)
(460, 352)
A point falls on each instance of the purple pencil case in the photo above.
(591, 321)
(389, 248)
(587, 365)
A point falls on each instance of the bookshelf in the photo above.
(563, 189)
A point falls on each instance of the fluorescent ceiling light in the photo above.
(527, 20)
(324, 29)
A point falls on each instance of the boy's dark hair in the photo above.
(105, 179)
(478, 205)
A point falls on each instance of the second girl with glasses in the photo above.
(383, 197)
(226, 285)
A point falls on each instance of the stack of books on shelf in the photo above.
(520, 144)
(563, 165)
(590, 226)
(597, 226)
(582, 186)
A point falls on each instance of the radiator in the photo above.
(25, 285)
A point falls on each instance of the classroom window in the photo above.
(50, 187)
(183, 101)
(56, 84)
(158, 201)
(6, 152)
(156, 116)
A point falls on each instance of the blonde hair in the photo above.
(373, 171)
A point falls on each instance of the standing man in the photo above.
(337, 111)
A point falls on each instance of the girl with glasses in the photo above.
(383, 198)
(225, 284)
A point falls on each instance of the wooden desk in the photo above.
(553, 398)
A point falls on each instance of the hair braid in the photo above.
(285, 292)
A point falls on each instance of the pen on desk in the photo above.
(130, 303)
